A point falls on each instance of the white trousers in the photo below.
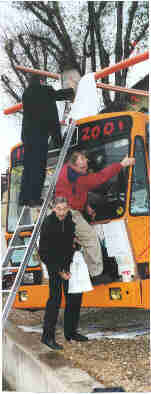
(88, 239)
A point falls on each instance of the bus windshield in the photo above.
(105, 140)
(110, 197)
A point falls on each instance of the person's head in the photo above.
(79, 162)
(61, 207)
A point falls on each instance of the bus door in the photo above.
(138, 220)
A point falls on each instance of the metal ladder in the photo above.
(28, 249)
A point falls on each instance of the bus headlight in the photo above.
(115, 293)
(23, 296)
(120, 210)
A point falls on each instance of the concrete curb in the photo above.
(30, 366)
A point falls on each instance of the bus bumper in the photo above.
(117, 294)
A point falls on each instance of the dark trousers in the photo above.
(72, 307)
(35, 160)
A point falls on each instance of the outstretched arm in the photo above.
(66, 94)
(91, 181)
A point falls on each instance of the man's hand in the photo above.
(72, 83)
(65, 275)
(75, 242)
(128, 161)
(91, 212)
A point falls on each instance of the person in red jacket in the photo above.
(74, 183)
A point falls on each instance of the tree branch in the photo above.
(7, 83)
(92, 31)
(132, 12)
(104, 58)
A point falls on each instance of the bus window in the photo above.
(53, 143)
(18, 254)
(139, 204)
(14, 210)
(108, 200)
(14, 189)
(49, 174)
(74, 139)
(33, 273)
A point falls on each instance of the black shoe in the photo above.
(101, 279)
(51, 343)
(77, 337)
(36, 203)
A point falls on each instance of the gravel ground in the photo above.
(111, 361)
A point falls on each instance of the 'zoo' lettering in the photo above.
(94, 132)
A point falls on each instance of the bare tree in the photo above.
(51, 47)
(28, 47)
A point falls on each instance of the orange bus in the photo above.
(122, 211)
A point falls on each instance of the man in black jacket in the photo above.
(56, 249)
(40, 120)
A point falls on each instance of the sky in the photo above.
(10, 125)
(9, 136)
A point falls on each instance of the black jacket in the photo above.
(56, 242)
(40, 110)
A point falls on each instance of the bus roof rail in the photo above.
(99, 74)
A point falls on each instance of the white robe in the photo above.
(86, 100)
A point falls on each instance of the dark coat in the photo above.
(40, 119)
(56, 242)
(40, 110)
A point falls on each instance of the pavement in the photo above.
(31, 366)
(28, 365)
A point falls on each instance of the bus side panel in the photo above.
(138, 230)
(37, 297)
(105, 295)
(146, 293)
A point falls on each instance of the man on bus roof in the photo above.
(40, 120)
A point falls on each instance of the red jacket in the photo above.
(83, 184)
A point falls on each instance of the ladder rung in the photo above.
(18, 247)
(9, 268)
(13, 248)
(9, 291)
(25, 227)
